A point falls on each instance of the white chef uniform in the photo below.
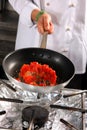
(70, 28)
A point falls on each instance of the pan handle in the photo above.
(44, 40)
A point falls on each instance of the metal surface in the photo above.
(68, 124)
(8, 85)
(74, 94)
(44, 40)
(12, 119)
(69, 108)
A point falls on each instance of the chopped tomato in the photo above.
(37, 74)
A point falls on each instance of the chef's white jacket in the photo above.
(70, 28)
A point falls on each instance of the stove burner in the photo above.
(39, 118)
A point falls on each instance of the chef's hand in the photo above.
(44, 23)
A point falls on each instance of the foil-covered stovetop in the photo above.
(12, 120)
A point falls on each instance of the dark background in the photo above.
(8, 30)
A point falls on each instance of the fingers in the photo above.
(45, 24)
(51, 28)
(40, 29)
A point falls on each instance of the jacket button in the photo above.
(67, 29)
(71, 5)
(47, 4)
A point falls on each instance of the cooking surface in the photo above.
(12, 118)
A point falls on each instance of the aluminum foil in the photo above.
(13, 117)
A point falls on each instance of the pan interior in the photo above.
(62, 65)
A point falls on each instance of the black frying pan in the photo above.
(62, 65)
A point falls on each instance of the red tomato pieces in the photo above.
(37, 74)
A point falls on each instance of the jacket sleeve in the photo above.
(24, 9)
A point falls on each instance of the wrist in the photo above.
(34, 14)
(39, 14)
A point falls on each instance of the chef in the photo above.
(64, 20)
